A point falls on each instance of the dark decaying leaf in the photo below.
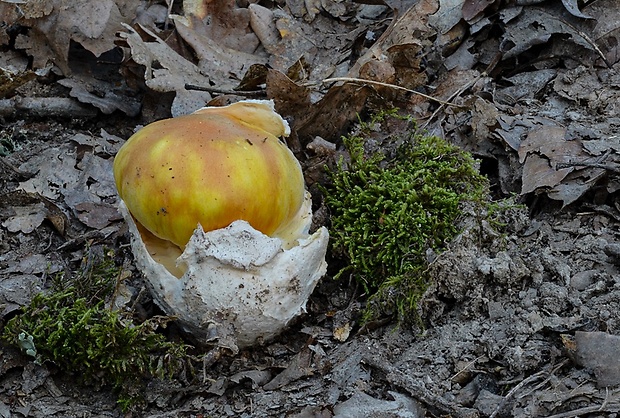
(535, 26)
(300, 366)
(97, 215)
(24, 212)
(575, 185)
(330, 117)
(449, 14)
(573, 8)
(101, 95)
(471, 9)
(290, 98)
(54, 24)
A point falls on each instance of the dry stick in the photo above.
(46, 107)
(19, 174)
(466, 367)
(392, 86)
(167, 20)
(530, 379)
(247, 93)
(606, 400)
(614, 407)
(598, 163)
(592, 165)
(453, 96)
(591, 42)
(595, 46)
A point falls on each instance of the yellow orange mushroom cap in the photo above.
(212, 167)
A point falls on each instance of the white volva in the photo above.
(239, 286)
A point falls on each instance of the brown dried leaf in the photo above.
(55, 168)
(550, 141)
(548, 158)
(451, 82)
(36, 8)
(173, 73)
(222, 66)
(462, 58)
(254, 77)
(578, 84)
(601, 146)
(320, 45)
(97, 215)
(89, 17)
(484, 119)
(300, 366)
(525, 85)
(24, 210)
(606, 33)
(537, 173)
(575, 185)
(473, 8)
(407, 62)
(262, 21)
(290, 98)
(410, 28)
(573, 8)
(331, 116)
(53, 24)
(26, 218)
(11, 80)
(223, 22)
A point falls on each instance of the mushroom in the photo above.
(219, 220)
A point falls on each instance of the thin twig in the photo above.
(524, 382)
(5, 165)
(246, 93)
(167, 20)
(606, 400)
(467, 366)
(590, 165)
(453, 96)
(392, 86)
(596, 48)
(612, 407)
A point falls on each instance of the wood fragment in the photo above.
(45, 107)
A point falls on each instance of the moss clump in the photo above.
(72, 327)
(387, 212)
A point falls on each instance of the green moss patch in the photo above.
(73, 327)
(387, 212)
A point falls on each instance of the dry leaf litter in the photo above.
(518, 324)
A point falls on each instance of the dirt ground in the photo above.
(521, 321)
